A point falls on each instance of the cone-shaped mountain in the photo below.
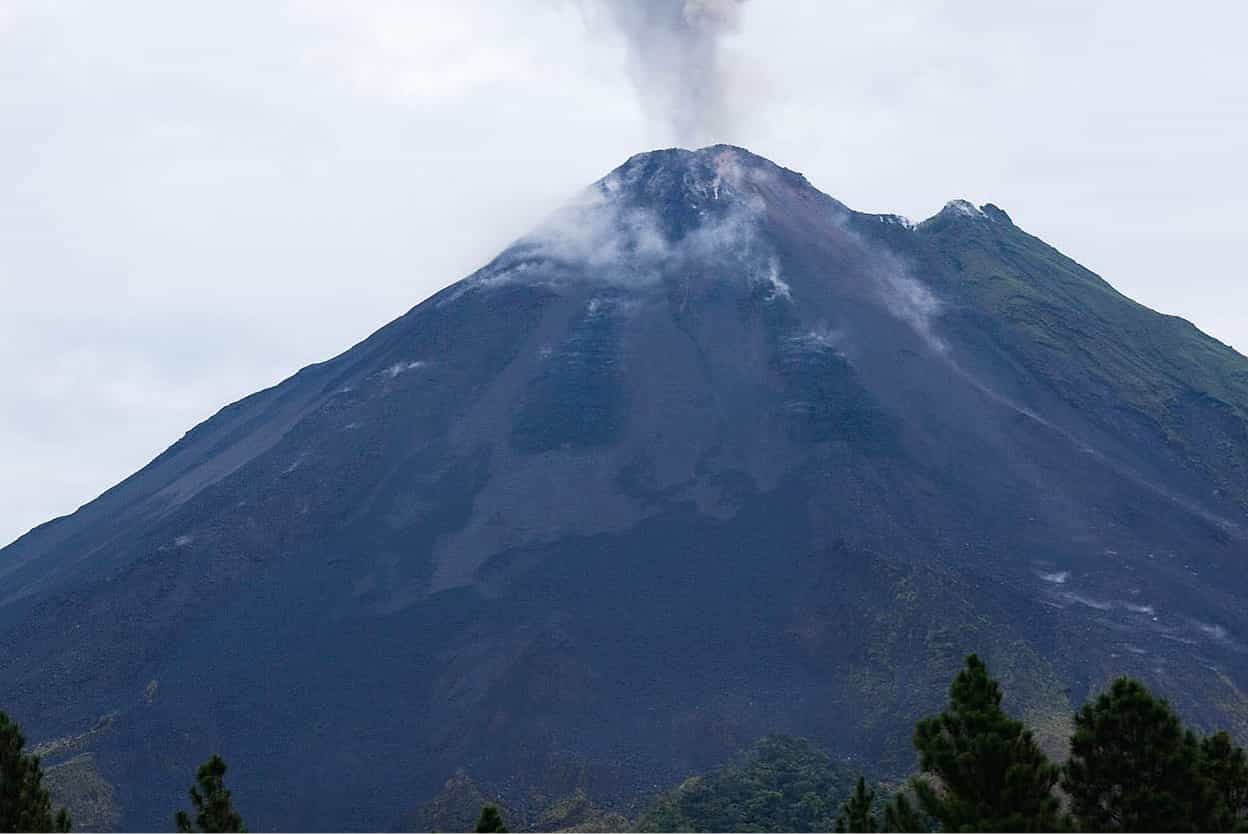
(706, 456)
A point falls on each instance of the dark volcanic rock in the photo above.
(708, 456)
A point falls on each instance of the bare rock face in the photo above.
(705, 457)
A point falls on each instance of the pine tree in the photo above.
(24, 801)
(1133, 767)
(491, 820)
(1224, 768)
(213, 810)
(992, 774)
(856, 813)
(900, 816)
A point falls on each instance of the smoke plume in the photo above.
(674, 61)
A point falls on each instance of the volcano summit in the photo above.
(707, 456)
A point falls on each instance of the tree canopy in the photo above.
(1133, 766)
(24, 801)
(1224, 768)
(856, 812)
(491, 820)
(213, 810)
(992, 774)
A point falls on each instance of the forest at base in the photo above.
(1131, 766)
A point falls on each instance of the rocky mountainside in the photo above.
(707, 456)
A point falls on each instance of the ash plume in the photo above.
(674, 60)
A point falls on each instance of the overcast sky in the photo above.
(197, 199)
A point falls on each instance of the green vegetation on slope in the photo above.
(779, 784)
(916, 639)
(86, 794)
(1100, 350)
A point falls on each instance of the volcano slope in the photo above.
(705, 457)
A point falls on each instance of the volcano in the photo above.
(706, 456)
